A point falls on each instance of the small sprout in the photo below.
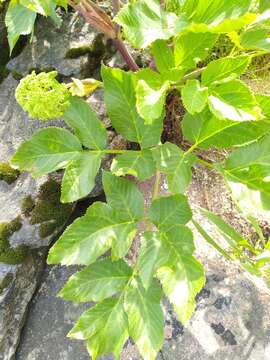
(42, 96)
(8, 173)
(84, 87)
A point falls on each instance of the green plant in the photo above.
(221, 112)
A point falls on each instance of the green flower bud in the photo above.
(42, 96)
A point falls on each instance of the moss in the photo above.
(27, 206)
(8, 254)
(5, 282)
(74, 53)
(49, 212)
(7, 173)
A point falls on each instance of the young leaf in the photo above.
(92, 235)
(83, 120)
(190, 48)
(144, 22)
(204, 130)
(194, 96)
(182, 277)
(137, 163)
(225, 69)
(145, 317)
(120, 101)
(168, 212)
(173, 162)
(79, 177)
(234, 101)
(48, 150)
(97, 282)
(123, 196)
(264, 103)
(19, 21)
(110, 335)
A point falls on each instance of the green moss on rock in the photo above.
(5, 282)
(27, 206)
(8, 254)
(49, 212)
(74, 53)
(8, 173)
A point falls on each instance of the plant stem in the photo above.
(121, 47)
(205, 163)
(156, 186)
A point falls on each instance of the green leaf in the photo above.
(264, 5)
(225, 69)
(19, 21)
(123, 196)
(79, 177)
(144, 22)
(97, 282)
(190, 48)
(219, 15)
(264, 103)
(173, 162)
(256, 38)
(48, 150)
(112, 333)
(182, 277)
(168, 212)
(83, 120)
(145, 318)
(211, 241)
(194, 96)
(163, 56)
(137, 163)
(93, 320)
(92, 235)
(45, 8)
(151, 93)
(204, 130)
(152, 256)
(120, 101)
(234, 101)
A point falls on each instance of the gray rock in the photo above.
(53, 48)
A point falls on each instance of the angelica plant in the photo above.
(221, 112)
